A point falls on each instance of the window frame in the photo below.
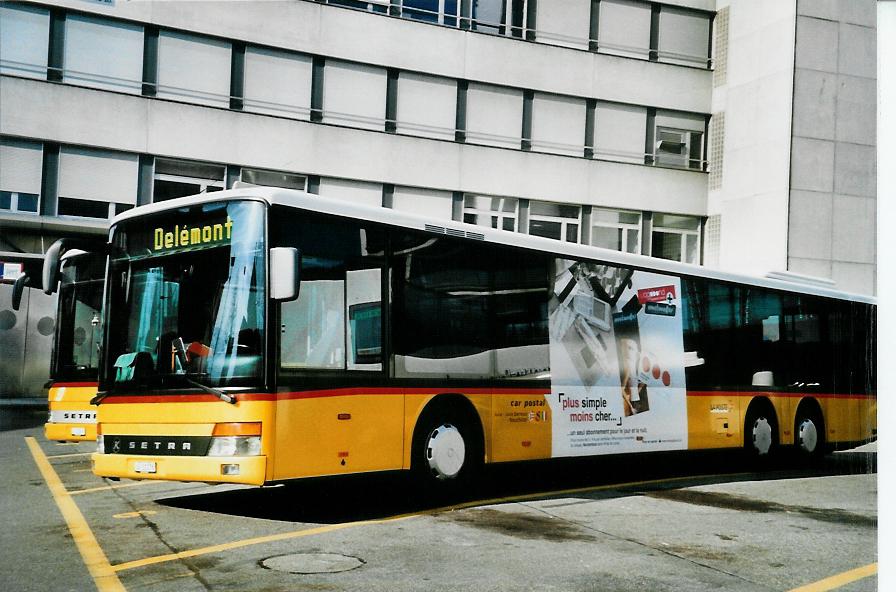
(565, 222)
(625, 227)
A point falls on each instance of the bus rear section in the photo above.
(76, 348)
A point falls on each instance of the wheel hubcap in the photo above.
(762, 436)
(808, 435)
(445, 451)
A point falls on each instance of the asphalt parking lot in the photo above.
(665, 522)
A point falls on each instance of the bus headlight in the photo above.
(235, 446)
(100, 445)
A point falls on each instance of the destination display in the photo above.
(617, 361)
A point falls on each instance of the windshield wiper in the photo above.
(99, 397)
(218, 393)
(181, 352)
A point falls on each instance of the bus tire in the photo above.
(808, 432)
(761, 432)
(446, 455)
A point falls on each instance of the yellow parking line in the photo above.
(840, 579)
(97, 564)
(253, 541)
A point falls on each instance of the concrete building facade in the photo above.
(680, 129)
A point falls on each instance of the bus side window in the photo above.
(336, 322)
(364, 319)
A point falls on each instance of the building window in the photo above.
(103, 54)
(426, 106)
(380, 6)
(494, 212)
(503, 17)
(24, 38)
(494, 115)
(424, 202)
(558, 124)
(616, 229)
(274, 179)
(676, 237)
(194, 68)
(92, 182)
(624, 28)
(678, 148)
(683, 37)
(18, 202)
(444, 12)
(619, 132)
(277, 83)
(561, 22)
(84, 208)
(557, 221)
(354, 95)
(21, 163)
(177, 178)
(362, 192)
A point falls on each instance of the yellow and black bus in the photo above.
(260, 335)
(76, 346)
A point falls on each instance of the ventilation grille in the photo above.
(454, 232)
(720, 63)
(716, 150)
(712, 238)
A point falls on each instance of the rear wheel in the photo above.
(760, 433)
(447, 451)
(809, 433)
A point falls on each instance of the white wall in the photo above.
(832, 226)
(757, 101)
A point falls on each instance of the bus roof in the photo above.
(307, 201)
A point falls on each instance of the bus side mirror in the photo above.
(51, 266)
(18, 288)
(284, 273)
(53, 258)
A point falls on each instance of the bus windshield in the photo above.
(186, 299)
(78, 328)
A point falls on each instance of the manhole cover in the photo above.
(312, 563)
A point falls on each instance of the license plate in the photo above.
(145, 466)
(79, 431)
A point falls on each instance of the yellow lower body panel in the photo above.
(181, 468)
(70, 432)
(71, 416)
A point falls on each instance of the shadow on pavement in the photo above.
(335, 500)
(19, 417)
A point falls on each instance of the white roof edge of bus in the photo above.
(296, 198)
(72, 253)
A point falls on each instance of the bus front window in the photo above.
(78, 322)
(187, 299)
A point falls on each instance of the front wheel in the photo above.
(760, 434)
(447, 452)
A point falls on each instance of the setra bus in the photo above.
(259, 335)
(76, 346)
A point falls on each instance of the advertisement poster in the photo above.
(617, 361)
